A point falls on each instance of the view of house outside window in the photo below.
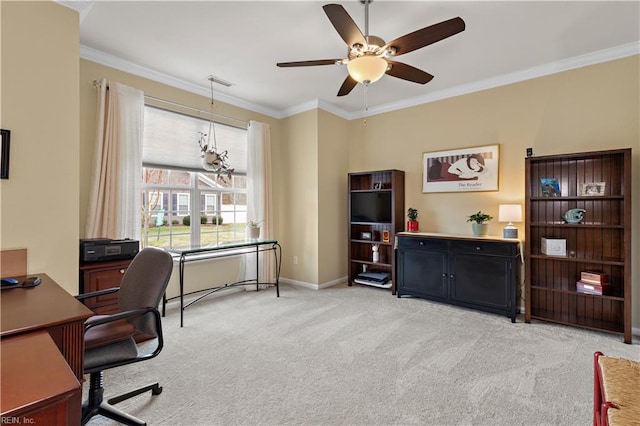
(182, 204)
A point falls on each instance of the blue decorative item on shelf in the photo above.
(574, 215)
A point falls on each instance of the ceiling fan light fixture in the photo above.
(367, 69)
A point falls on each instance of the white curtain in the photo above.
(259, 202)
(115, 198)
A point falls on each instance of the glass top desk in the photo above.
(194, 253)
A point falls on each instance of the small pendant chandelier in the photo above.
(213, 160)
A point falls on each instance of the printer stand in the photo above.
(96, 276)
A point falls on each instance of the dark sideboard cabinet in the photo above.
(477, 273)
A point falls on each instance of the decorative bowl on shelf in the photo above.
(574, 215)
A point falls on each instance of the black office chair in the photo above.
(110, 340)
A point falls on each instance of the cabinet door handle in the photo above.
(122, 271)
(444, 275)
(478, 248)
(421, 243)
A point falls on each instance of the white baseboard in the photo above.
(313, 286)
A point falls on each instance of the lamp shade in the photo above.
(367, 69)
(510, 213)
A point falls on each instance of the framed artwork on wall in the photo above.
(461, 170)
(4, 154)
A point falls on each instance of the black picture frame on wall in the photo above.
(4, 154)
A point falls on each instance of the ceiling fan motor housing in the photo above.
(374, 43)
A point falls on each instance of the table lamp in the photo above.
(510, 213)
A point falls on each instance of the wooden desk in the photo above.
(47, 307)
(26, 315)
(38, 387)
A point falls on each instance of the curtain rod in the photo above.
(97, 83)
(245, 123)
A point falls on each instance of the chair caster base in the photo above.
(108, 410)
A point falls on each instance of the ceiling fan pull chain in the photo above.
(366, 100)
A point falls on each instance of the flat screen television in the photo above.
(371, 206)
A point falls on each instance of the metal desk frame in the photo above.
(190, 254)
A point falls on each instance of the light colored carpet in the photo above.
(359, 356)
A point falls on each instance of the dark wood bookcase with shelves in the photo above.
(376, 209)
(600, 243)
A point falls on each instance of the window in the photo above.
(211, 203)
(184, 205)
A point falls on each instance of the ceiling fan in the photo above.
(368, 57)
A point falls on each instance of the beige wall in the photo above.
(300, 183)
(587, 109)
(316, 157)
(39, 83)
(333, 166)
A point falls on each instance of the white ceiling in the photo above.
(182, 43)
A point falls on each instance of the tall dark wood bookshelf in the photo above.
(600, 243)
(376, 210)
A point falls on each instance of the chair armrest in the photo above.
(105, 319)
(97, 293)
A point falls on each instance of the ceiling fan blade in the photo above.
(407, 72)
(347, 86)
(344, 25)
(308, 63)
(426, 36)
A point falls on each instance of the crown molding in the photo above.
(592, 58)
(316, 104)
(112, 61)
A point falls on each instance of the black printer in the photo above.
(101, 249)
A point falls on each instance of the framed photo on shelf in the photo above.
(4, 154)
(386, 236)
(461, 170)
(365, 235)
(550, 187)
(593, 188)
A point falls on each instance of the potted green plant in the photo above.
(478, 223)
(253, 229)
(412, 224)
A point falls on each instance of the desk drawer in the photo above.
(422, 243)
(485, 247)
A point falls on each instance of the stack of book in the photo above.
(593, 283)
